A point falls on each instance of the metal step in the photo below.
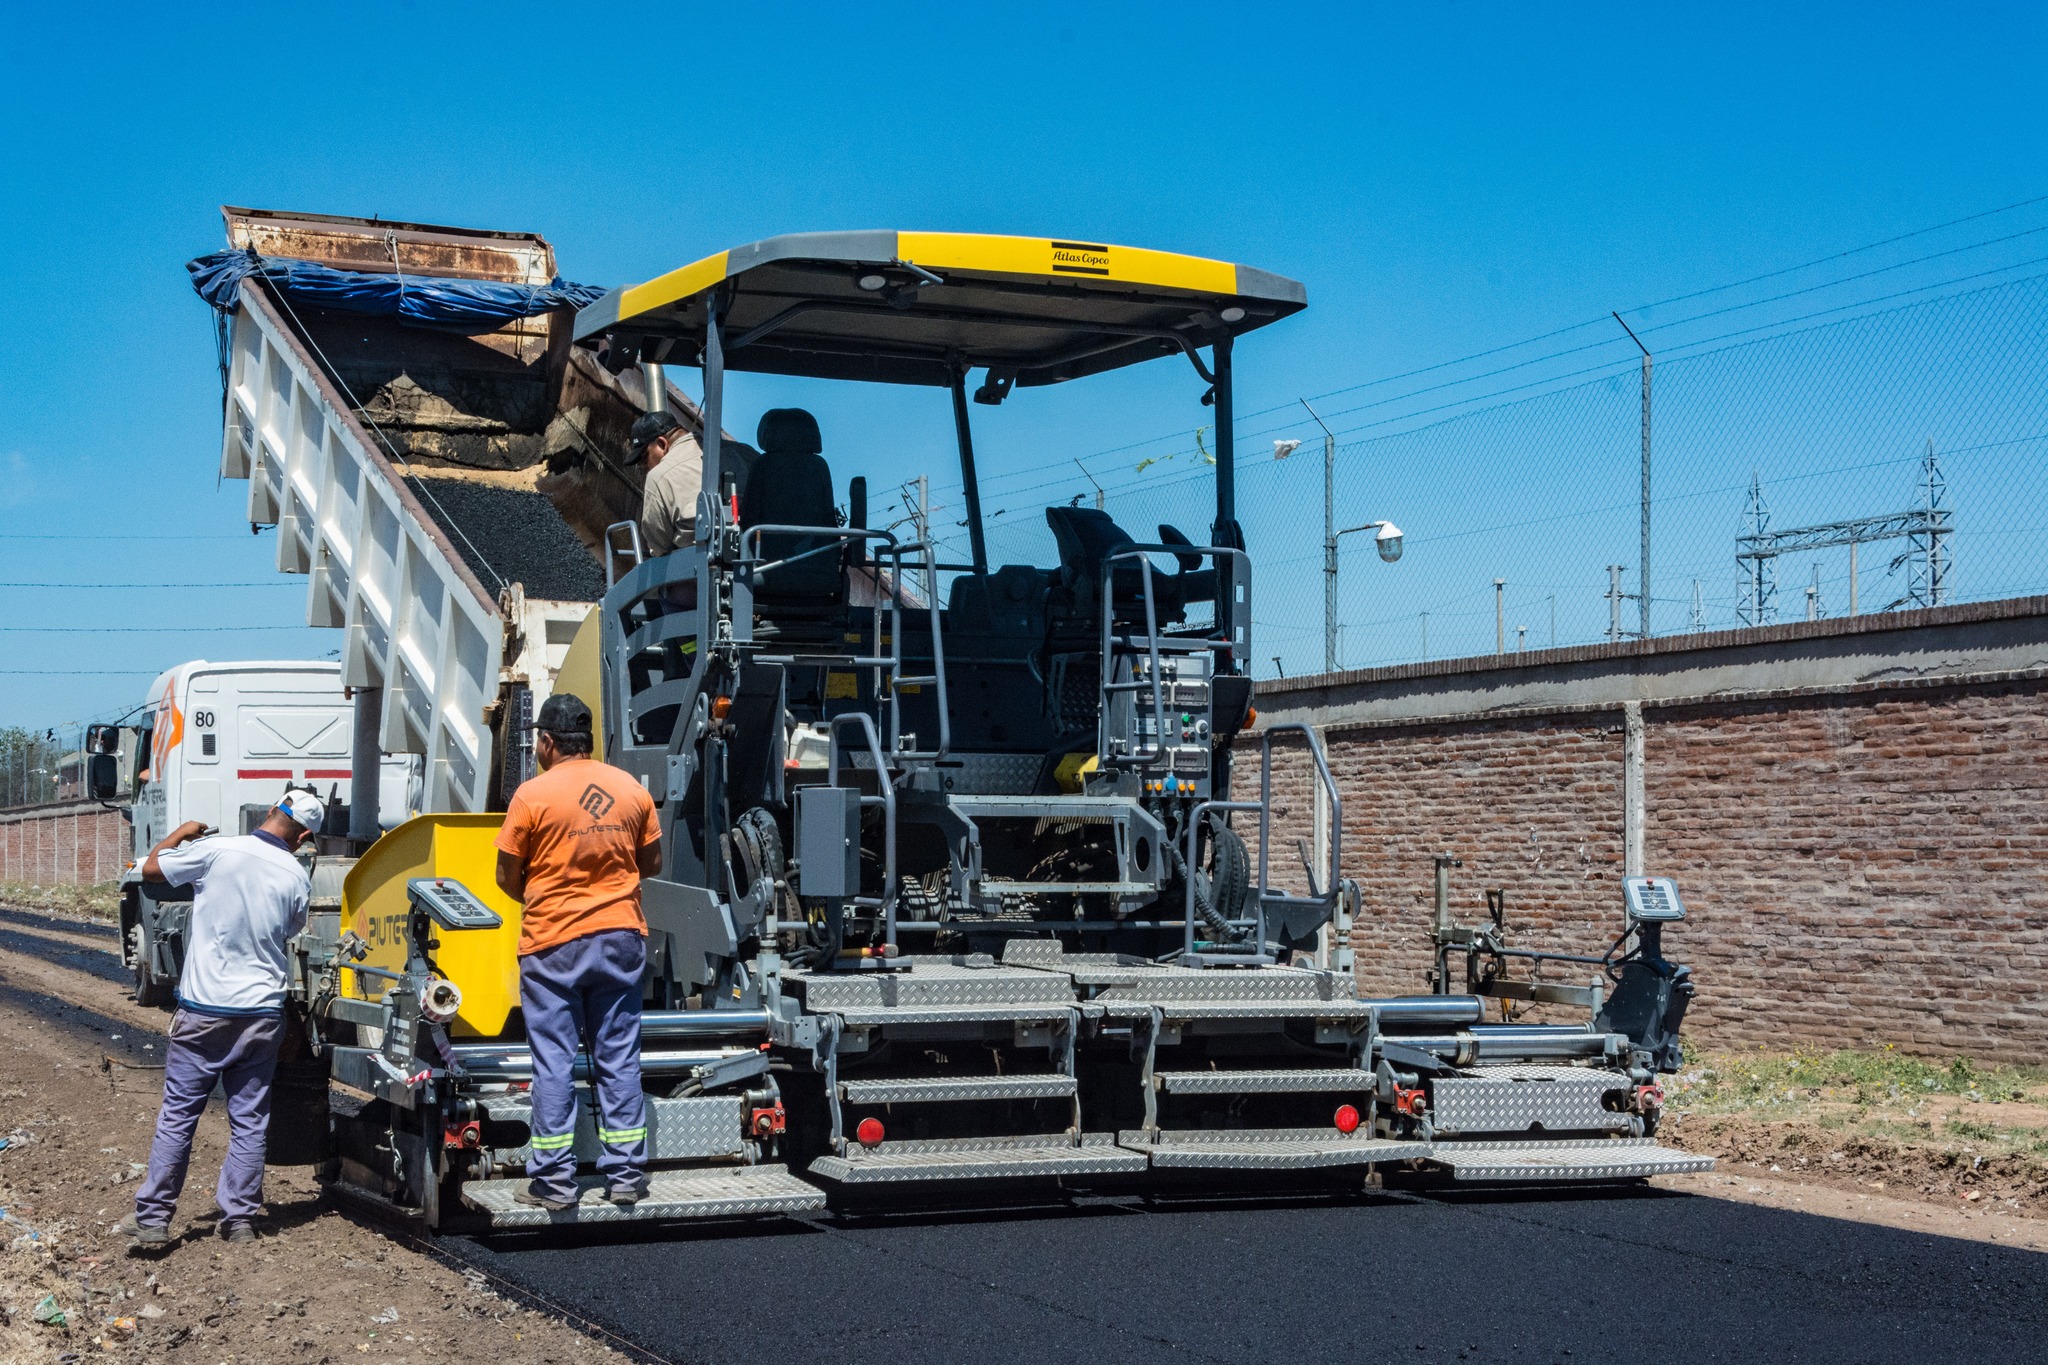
(979, 1159)
(1267, 1149)
(1567, 1159)
(923, 1091)
(729, 1192)
(1261, 1082)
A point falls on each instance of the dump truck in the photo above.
(220, 743)
(969, 871)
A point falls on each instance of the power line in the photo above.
(1639, 308)
(175, 587)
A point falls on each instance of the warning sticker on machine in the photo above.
(842, 686)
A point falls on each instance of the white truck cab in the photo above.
(219, 743)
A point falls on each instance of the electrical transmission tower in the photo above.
(1758, 603)
(1926, 530)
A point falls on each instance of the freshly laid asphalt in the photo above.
(1640, 1276)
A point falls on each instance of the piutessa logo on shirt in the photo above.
(596, 801)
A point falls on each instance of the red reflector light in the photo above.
(869, 1132)
(1346, 1119)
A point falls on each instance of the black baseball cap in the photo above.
(649, 427)
(564, 714)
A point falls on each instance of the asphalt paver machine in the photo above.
(969, 870)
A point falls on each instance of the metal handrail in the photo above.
(1333, 888)
(612, 550)
(886, 785)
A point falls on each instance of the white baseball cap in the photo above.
(305, 809)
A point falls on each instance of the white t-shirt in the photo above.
(248, 898)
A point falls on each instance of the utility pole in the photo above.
(1813, 596)
(1091, 478)
(1643, 575)
(1614, 597)
(1425, 637)
(1500, 616)
(1521, 639)
(1329, 543)
(1854, 606)
(1699, 613)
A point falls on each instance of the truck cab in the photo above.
(219, 743)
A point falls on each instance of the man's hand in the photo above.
(183, 834)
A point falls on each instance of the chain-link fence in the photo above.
(40, 767)
(1809, 457)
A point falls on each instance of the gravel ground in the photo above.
(79, 1088)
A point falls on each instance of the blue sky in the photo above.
(1444, 179)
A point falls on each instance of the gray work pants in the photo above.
(239, 1054)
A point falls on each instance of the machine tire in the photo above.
(148, 990)
(1222, 889)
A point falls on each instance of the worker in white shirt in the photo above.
(248, 899)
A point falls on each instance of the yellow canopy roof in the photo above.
(917, 307)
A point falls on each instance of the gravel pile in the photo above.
(515, 536)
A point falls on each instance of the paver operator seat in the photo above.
(791, 485)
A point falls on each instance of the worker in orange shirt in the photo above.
(577, 840)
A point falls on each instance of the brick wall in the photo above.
(1863, 857)
(75, 845)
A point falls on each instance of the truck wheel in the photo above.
(148, 990)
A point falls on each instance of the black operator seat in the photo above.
(791, 485)
(1086, 538)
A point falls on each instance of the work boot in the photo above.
(536, 1196)
(237, 1231)
(626, 1196)
(140, 1234)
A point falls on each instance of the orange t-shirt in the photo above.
(580, 827)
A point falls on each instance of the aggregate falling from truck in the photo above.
(956, 888)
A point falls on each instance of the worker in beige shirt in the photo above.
(675, 476)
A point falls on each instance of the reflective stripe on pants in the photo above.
(585, 995)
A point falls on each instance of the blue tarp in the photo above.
(452, 305)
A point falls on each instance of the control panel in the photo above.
(1177, 761)
(450, 904)
(1652, 900)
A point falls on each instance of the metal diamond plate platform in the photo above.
(733, 1192)
(1117, 1007)
(1516, 1099)
(930, 982)
(979, 1159)
(1261, 1082)
(1163, 984)
(677, 1130)
(964, 1088)
(1267, 1149)
(1571, 1159)
(951, 1014)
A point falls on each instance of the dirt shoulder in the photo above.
(1937, 1146)
(80, 1083)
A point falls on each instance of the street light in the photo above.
(1388, 541)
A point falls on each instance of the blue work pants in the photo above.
(585, 994)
